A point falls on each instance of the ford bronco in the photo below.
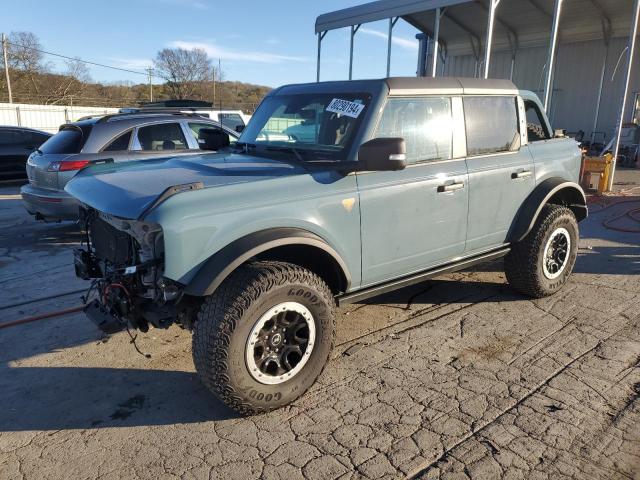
(394, 181)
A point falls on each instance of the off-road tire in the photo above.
(225, 321)
(523, 265)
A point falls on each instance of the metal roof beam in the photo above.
(541, 9)
(461, 25)
(500, 20)
(379, 10)
(607, 27)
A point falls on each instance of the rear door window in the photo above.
(162, 137)
(9, 137)
(36, 139)
(491, 125)
(119, 144)
(68, 140)
(196, 127)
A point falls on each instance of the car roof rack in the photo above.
(157, 113)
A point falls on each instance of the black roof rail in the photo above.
(106, 118)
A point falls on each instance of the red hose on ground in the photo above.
(632, 213)
(44, 316)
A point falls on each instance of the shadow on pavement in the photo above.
(42, 236)
(80, 398)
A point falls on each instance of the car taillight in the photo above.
(66, 166)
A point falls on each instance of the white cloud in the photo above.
(131, 63)
(273, 41)
(223, 53)
(401, 42)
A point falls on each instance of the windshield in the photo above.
(308, 126)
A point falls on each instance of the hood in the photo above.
(128, 189)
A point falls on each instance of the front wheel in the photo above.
(262, 339)
(540, 264)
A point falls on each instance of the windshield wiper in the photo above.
(287, 149)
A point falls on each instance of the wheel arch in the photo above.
(551, 191)
(294, 245)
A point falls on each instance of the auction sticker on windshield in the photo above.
(345, 107)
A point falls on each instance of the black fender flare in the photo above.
(567, 193)
(220, 265)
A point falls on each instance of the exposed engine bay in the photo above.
(124, 259)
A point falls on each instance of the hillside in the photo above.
(53, 89)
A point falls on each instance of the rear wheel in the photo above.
(541, 263)
(262, 339)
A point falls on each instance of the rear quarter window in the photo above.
(491, 125)
(68, 140)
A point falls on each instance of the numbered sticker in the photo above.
(345, 107)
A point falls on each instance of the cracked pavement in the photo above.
(458, 377)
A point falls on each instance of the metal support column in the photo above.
(392, 23)
(423, 48)
(630, 55)
(320, 37)
(600, 86)
(354, 30)
(551, 60)
(436, 41)
(487, 50)
(6, 66)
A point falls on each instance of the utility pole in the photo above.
(149, 70)
(220, 76)
(6, 66)
(214, 86)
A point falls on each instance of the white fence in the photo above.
(46, 117)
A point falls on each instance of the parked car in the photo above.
(233, 119)
(406, 178)
(112, 138)
(16, 144)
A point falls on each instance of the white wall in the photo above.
(46, 117)
(576, 81)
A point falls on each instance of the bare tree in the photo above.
(183, 70)
(27, 60)
(72, 83)
(25, 52)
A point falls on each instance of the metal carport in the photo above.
(485, 29)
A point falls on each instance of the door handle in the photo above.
(451, 187)
(522, 174)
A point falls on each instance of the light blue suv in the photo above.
(395, 181)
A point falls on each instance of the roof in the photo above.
(407, 86)
(449, 86)
(526, 23)
(29, 129)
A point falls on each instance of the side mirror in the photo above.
(382, 154)
(239, 128)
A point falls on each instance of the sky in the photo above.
(263, 42)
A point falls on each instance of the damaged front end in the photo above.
(124, 259)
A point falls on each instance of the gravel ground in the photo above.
(454, 378)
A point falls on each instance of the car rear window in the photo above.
(67, 140)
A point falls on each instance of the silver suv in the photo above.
(111, 138)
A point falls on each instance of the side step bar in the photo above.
(420, 277)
